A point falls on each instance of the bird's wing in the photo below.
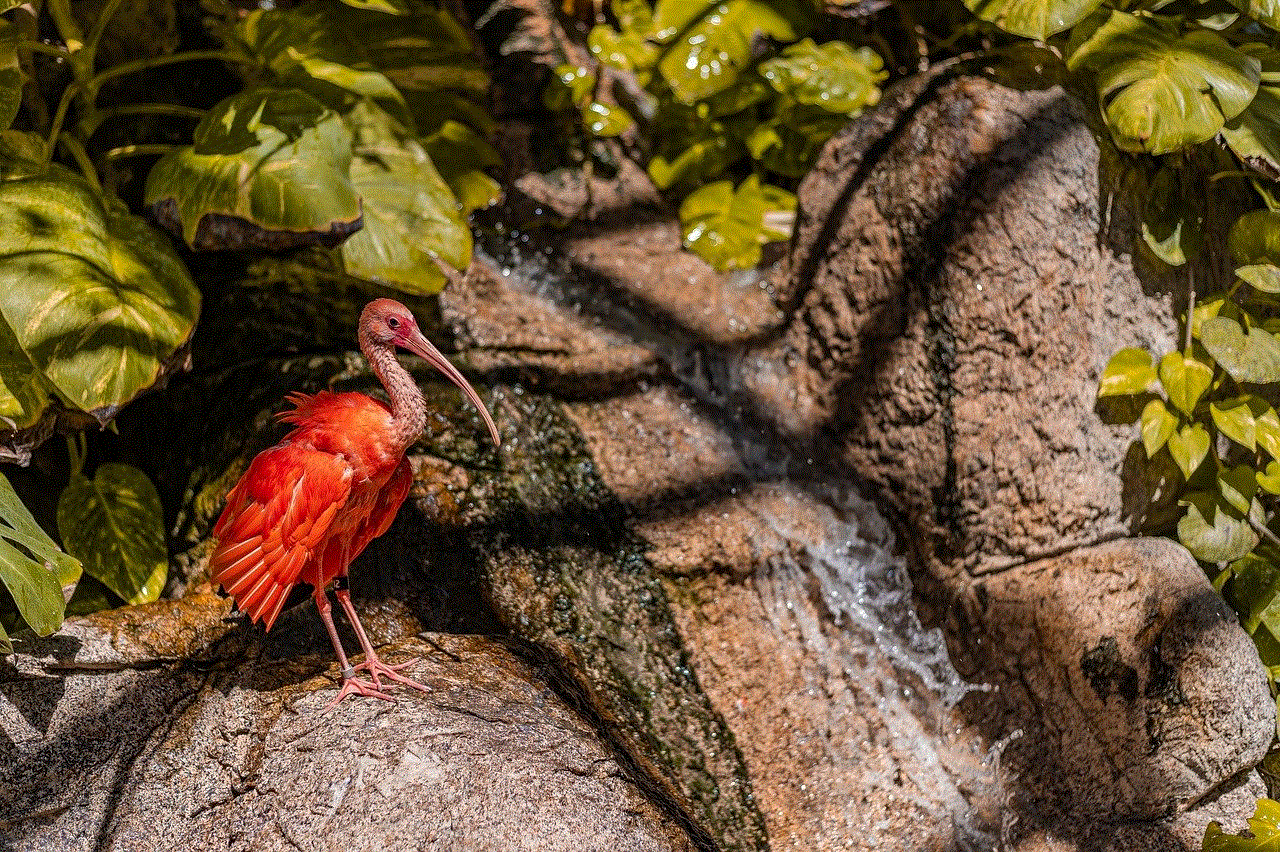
(378, 509)
(277, 517)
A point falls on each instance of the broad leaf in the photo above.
(699, 158)
(1264, 825)
(628, 51)
(1252, 356)
(1269, 480)
(605, 121)
(707, 45)
(1168, 225)
(459, 154)
(1261, 276)
(11, 76)
(1157, 425)
(1185, 380)
(1254, 135)
(1128, 372)
(114, 524)
(96, 300)
(1254, 239)
(1238, 419)
(1264, 11)
(410, 215)
(32, 567)
(1267, 431)
(833, 76)
(1036, 19)
(276, 159)
(1255, 582)
(1189, 446)
(1238, 487)
(727, 228)
(1163, 90)
(1213, 531)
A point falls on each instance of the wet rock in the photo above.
(241, 753)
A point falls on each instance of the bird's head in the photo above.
(386, 323)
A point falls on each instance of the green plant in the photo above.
(1264, 826)
(718, 89)
(351, 131)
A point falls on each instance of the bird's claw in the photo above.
(357, 686)
(375, 667)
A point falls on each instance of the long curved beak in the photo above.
(419, 345)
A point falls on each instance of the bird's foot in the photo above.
(352, 685)
(378, 669)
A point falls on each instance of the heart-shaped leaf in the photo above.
(1189, 446)
(1252, 356)
(94, 297)
(1212, 531)
(114, 524)
(1185, 380)
(1269, 480)
(1163, 89)
(1037, 19)
(1262, 276)
(410, 215)
(35, 583)
(727, 228)
(1129, 371)
(1237, 419)
(833, 76)
(1157, 425)
(707, 45)
(274, 159)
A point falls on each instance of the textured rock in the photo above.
(247, 757)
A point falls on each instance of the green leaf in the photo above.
(1168, 228)
(1254, 135)
(707, 45)
(1238, 487)
(1262, 277)
(410, 215)
(1157, 425)
(276, 159)
(1264, 826)
(628, 51)
(391, 7)
(114, 524)
(1212, 530)
(1208, 309)
(1254, 239)
(834, 76)
(1037, 19)
(1263, 11)
(1269, 480)
(1252, 356)
(605, 121)
(1238, 419)
(727, 228)
(11, 76)
(1163, 90)
(32, 567)
(6, 646)
(459, 154)
(1128, 372)
(1267, 430)
(1189, 446)
(1185, 380)
(96, 300)
(700, 157)
(1255, 582)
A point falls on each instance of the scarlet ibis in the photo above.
(308, 506)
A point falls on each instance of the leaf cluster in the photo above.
(716, 90)
(350, 134)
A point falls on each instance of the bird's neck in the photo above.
(408, 408)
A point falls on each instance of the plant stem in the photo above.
(138, 150)
(1263, 531)
(72, 144)
(1191, 307)
(160, 61)
(100, 26)
(72, 35)
(58, 117)
(49, 49)
(90, 124)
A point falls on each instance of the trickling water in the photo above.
(870, 644)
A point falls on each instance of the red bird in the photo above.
(308, 506)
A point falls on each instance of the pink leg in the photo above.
(350, 683)
(372, 664)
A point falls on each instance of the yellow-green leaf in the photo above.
(1129, 371)
(1212, 530)
(1185, 380)
(1237, 419)
(1037, 19)
(1189, 446)
(1269, 480)
(35, 583)
(1248, 356)
(114, 524)
(1264, 825)
(1157, 425)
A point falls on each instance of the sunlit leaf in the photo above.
(1264, 825)
(628, 51)
(1267, 430)
(410, 215)
(1212, 531)
(96, 299)
(114, 524)
(605, 121)
(1264, 11)
(35, 583)
(1129, 371)
(1238, 419)
(1262, 277)
(391, 7)
(699, 158)
(1254, 239)
(460, 154)
(1157, 425)
(1185, 380)
(1162, 89)
(1254, 135)
(726, 228)
(1036, 19)
(1189, 446)
(705, 46)
(1269, 480)
(1252, 356)
(274, 159)
(833, 76)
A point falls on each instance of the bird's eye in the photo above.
(393, 322)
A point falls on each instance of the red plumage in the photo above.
(308, 506)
